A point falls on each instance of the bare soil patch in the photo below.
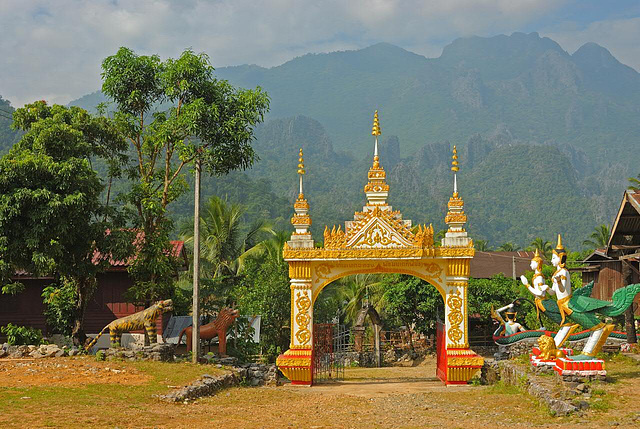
(67, 372)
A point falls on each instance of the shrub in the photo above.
(22, 335)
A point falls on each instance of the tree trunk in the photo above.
(77, 333)
(629, 320)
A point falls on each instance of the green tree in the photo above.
(207, 120)
(543, 246)
(52, 219)
(599, 237)
(354, 291)
(265, 291)
(413, 302)
(481, 245)
(634, 183)
(508, 247)
(225, 242)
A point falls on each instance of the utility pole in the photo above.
(513, 267)
(195, 339)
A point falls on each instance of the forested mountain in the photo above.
(7, 136)
(546, 138)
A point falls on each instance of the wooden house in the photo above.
(608, 267)
(106, 304)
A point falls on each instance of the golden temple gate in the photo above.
(379, 240)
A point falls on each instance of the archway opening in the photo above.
(370, 320)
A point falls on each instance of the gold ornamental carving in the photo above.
(455, 217)
(455, 252)
(301, 220)
(465, 361)
(303, 303)
(455, 317)
(300, 270)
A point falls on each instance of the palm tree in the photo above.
(481, 245)
(508, 247)
(543, 246)
(634, 183)
(355, 291)
(599, 237)
(224, 247)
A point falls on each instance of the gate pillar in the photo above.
(460, 361)
(297, 362)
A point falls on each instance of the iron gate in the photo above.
(330, 345)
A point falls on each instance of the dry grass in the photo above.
(368, 398)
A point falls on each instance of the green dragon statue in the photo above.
(574, 309)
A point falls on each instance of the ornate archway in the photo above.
(378, 240)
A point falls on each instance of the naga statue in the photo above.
(575, 308)
(145, 319)
(217, 328)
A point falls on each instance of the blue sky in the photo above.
(52, 50)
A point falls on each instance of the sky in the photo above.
(52, 50)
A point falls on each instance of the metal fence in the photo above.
(330, 345)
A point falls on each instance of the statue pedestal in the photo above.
(461, 366)
(582, 367)
(296, 365)
(538, 362)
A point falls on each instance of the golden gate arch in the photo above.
(379, 240)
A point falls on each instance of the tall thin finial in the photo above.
(376, 131)
(454, 161)
(455, 169)
(301, 170)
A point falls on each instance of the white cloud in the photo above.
(619, 36)
(53, 50)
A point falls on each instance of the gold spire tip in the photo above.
(375, 131)
(301, 169)
(559, 245)
(454, 160)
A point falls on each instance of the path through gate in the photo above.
(330, 345)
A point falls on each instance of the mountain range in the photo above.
(546, 138)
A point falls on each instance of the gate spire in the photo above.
(456, 235)
(301, 220)
(376, 189)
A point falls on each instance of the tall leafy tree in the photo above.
(634, 183)
(412, 301)
(52, 218)
(203, 119)
(598, 238)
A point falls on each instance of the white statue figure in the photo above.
(538, 288)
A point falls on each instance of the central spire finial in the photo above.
(376, 131)
(301, 171)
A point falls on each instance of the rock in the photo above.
(61, 353)
(255, 382)
(3, 353)
(30, 348)
(582, 388)
(5, 346)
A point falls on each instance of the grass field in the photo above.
(80, 392)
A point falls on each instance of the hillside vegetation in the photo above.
(546, 138)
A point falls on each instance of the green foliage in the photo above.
(59, 300)
(22, 335)
(265, 290)
(52, 219)
(206, 120)
(484, 293)
(634, 183)
(413, 302)
(599, 237)
(101, 356)
(243, 346)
